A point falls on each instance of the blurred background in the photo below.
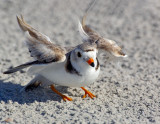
(129, 93)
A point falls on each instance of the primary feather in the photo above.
(20, 67)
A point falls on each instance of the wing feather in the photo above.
(40, 46)
(107, 45)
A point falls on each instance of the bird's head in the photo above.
(85, 55)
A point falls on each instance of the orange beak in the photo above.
(91, 62)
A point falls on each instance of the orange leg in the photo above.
(87, 92)
(63, 96)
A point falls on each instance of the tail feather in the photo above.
(20, 67)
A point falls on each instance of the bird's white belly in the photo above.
(58, 75)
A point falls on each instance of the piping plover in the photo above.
(74, 67)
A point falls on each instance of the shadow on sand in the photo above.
(10, 91)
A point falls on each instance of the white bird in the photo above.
(74, 67)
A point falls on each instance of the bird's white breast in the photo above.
(56, 73)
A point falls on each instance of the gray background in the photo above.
(127, 93)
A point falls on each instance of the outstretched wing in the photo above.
(107, 45)
(40, 46)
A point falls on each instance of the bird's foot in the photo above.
(87, 92)
(65, 98)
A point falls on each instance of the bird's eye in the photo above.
(79, 54)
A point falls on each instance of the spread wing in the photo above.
(40, 46)
(88, 35)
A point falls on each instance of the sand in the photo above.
(128, 92)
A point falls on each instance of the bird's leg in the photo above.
(87, 92)
(63, 96)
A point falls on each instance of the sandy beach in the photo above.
(128, 92)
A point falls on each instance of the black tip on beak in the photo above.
(92, 64)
